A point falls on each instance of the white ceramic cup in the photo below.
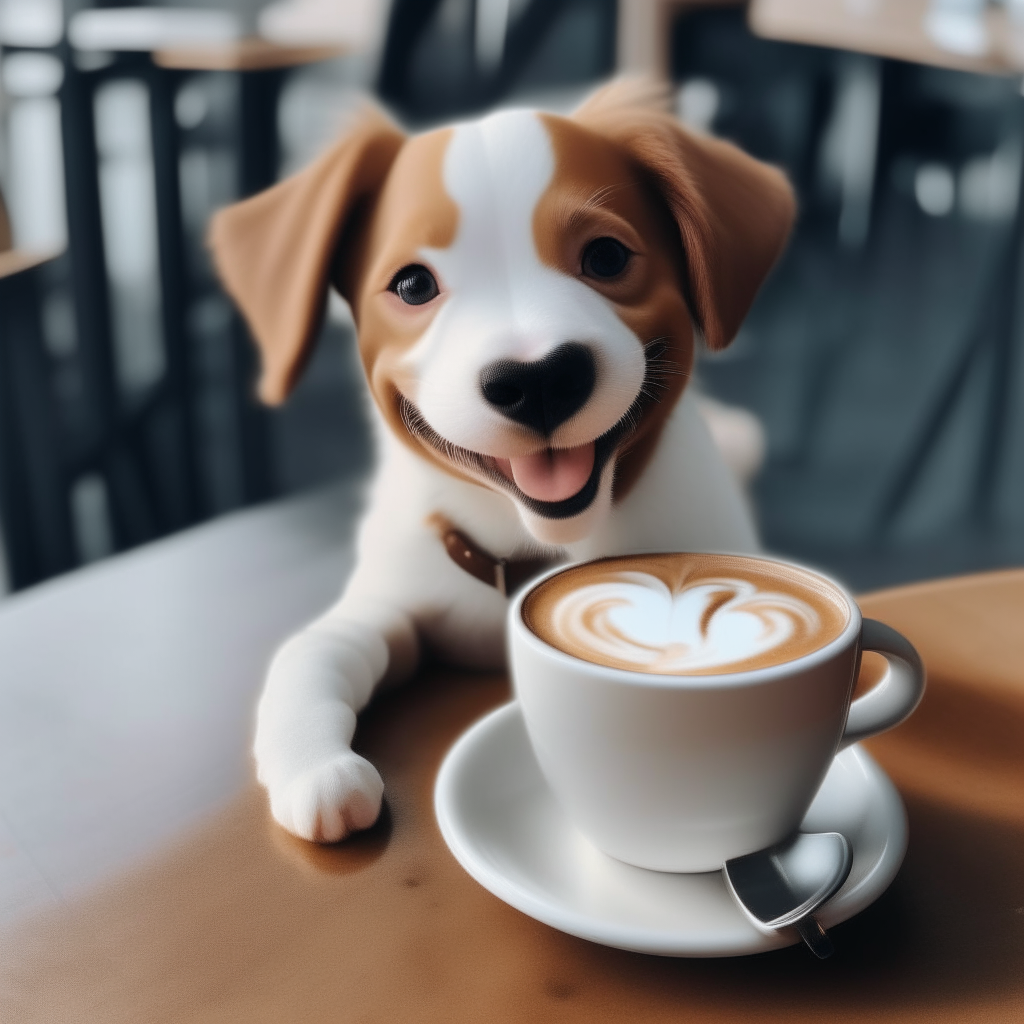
(682, 773)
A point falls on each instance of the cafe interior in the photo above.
(162, 531)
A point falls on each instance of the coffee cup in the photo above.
(685, 708)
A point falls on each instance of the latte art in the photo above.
(685, 614)
(634, 621)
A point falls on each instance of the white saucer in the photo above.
(504, 827)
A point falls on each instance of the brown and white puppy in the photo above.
(526, 289)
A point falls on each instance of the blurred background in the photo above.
(883, 357)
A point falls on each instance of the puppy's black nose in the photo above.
(544, 394)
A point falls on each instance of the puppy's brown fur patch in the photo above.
(598, 190)
(412, 212)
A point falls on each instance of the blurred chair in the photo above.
(82, 472)
(163, 49)
(89, 464)
(644, 33)
(35, 510)
(886, 362)
(443, 59)
(955, 146)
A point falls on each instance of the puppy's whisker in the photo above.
(660, 369)
(573, 218)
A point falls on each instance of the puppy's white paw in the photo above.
(338, 797)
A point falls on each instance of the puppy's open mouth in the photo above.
(557, 483)
(552, 475)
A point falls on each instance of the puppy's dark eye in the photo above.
(605, 257)
(414, 285)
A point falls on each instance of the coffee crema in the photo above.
(686, 614)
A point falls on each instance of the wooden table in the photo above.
(249, 54)
(127, 689)
(233, 920)
(884, 28)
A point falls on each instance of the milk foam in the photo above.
(634, 620)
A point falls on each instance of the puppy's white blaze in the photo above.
(503, 302)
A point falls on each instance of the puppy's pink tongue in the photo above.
(555, 474)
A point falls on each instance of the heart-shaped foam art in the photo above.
(633, 620)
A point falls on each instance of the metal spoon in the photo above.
(784, 885)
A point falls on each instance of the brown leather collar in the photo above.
(506, 575)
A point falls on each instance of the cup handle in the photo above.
(899, 692)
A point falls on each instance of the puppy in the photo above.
(526, 289)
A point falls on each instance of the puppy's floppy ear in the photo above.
(274, 251)
(734, 213)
